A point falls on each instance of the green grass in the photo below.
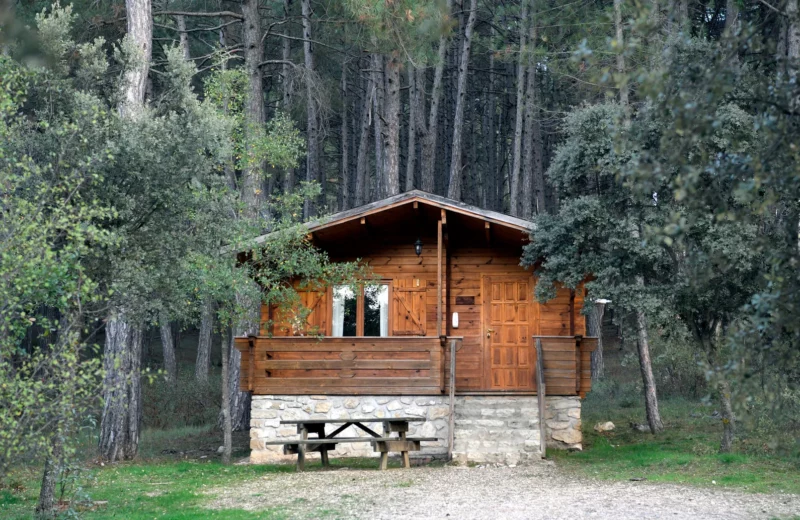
(686, 453)
(171, 485)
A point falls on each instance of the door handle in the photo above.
(489, 333)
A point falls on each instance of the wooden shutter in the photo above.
(316, 322)
(408, 307)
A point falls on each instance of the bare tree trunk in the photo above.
(623, 91)
(490, 140)
(203, 363)
(122, 412)
(391, 134)
(646, 367)
(363, 147)
(251, 185)
(140, 32)
(47, 506)
(454, 189)
(793, 38)
(184, 36)
(312, 120)
(728, 419)
(595, 318)
(530, 119)
(377, 108)
(516, 161)
(413, 125)
(227, 425)
(170, 364)
(428, 160)
(286, 85)
(345, 177)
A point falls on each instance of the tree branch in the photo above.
(218, 14)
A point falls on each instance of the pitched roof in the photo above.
(455, 206)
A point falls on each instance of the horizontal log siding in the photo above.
(368, 366)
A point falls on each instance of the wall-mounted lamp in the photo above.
(418, 246)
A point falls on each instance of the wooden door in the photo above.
(507, 332)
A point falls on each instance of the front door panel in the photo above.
(507, 334)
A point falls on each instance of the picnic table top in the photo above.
(355, 420)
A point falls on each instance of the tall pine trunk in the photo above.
(168, 349)
(122, 413)
(203, 362)
(227, 423)
(391, 133)
(252, 178)
(378, 100)
(312, 119)
(361, 195)
(428, 160)
(344, 191)
(286, 90)
(413, 125)
(122, 389)
(516, 159)
(456, 180)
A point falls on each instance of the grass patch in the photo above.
(686, 453)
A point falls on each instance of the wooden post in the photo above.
(540, 393)
(251, 364)
(571, 313)
(452, 420)
(439, 280)
(301, 447)
(578, 362)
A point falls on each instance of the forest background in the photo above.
(654, 144)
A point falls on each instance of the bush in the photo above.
(183, 403)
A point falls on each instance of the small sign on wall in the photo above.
(465, 300)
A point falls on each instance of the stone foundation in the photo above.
(502, 429)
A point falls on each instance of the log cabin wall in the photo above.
(468, 262)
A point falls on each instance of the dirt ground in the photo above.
(539, 491)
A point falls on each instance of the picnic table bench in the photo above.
(380, 443)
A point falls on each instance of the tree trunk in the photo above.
(378, 107)
(516, 160)
(623, 91)
(363, 147)
(122, 412)
(227, 424)
(728, 419)
(312, 119)
(428, 160)
(792, 38)
(286, 85)
(454, 189)
(47, 506)
(170, 365)
(413, 124)
(595, 318)
(492, 175)
(140, 32)
(251, 183)
(203, 363)
(650, 395)
(391, 133)
(532, 149)
(344, 191)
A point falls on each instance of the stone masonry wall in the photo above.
(502, 429)
(269, 410)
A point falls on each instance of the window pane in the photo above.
(344, 311)
(376, 310)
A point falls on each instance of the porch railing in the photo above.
(354, 365)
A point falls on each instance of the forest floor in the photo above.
(178, 476)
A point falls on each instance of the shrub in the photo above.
(183, 403)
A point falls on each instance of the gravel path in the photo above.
(539, 491)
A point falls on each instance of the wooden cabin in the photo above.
(448, 298)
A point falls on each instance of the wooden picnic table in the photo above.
(324, 443)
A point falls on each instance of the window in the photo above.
(363, 311)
